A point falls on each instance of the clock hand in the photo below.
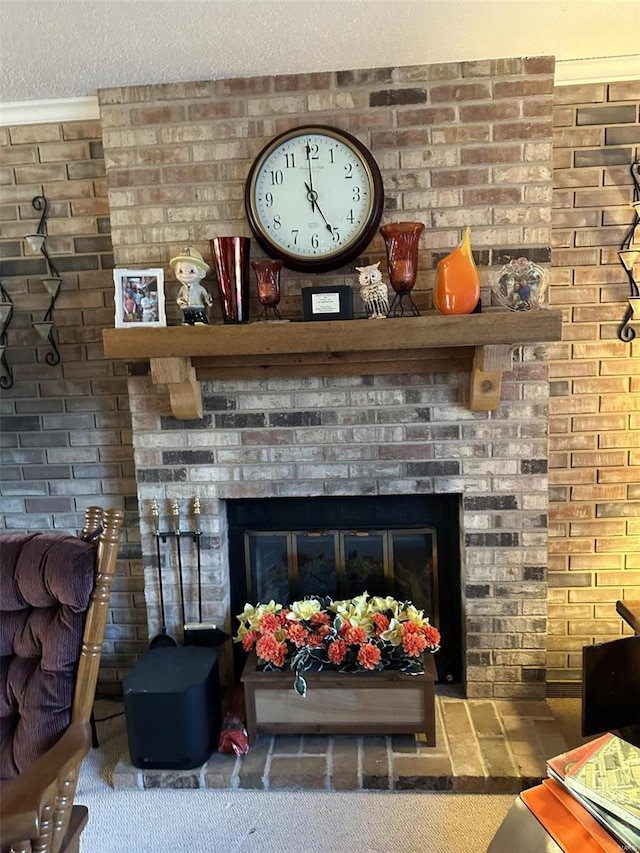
(328, 227)
(312, 195)
(310, 187)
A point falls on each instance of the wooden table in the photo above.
(630, 612)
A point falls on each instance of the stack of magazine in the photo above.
(603, 775)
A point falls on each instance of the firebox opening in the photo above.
(407, 546)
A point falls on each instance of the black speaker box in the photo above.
(172, 707)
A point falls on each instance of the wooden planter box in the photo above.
(359, 703)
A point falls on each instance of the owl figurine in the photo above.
(373, 291)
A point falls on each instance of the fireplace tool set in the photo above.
(194, 633)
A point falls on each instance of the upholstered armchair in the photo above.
(54, 600)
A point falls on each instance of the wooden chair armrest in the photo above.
(25, 796)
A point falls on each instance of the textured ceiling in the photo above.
(70, 48)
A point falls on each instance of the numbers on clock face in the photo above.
(311, 195)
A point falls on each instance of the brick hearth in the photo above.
(483, 746)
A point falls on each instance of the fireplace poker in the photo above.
(175, 508)
(201, 633)
(197, 533)
(163, 638)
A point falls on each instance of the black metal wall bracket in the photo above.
(6, 313)
(628, 256)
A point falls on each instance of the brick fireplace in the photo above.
(387, 435)
(458, 144)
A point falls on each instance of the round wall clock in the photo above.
(314, 198)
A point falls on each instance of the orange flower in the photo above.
(248, 640)
(297, 633)
(269, 623)
(413, 644)
(431, 635)
(355, 635)
(381, 622)
(320, 618)
(369, 656)
(269, 649)
(336, 651)
(315, 639)
(280, 654)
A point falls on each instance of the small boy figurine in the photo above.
(190, 268)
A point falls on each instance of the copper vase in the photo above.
(268, 278)
(231, 263)
(401, 242)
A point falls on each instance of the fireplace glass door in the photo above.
(289, 565)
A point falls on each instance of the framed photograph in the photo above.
(327, 303)
(139, 298)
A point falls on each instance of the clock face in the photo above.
(314, 198)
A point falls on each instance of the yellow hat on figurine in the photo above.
(190, 255)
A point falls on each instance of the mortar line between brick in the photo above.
(390, 770)
(506, 739)
(439, 709)
(329, 769)
(476, 739)
(266, 773)
(235, 773)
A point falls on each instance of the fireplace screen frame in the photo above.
(441, 513)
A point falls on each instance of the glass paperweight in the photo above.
(521, 285)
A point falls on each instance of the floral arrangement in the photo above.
(354, 635)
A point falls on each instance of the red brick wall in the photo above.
(594, 459)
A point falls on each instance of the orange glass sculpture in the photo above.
(457, 289)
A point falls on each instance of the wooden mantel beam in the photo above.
(432, 330)
(353, 347)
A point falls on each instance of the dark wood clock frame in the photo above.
(350, 252)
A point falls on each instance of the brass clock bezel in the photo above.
(344, 254)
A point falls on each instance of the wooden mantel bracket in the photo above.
(489, 363)
(179, 375)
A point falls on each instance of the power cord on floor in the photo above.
(110, 717)
(95, 743)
